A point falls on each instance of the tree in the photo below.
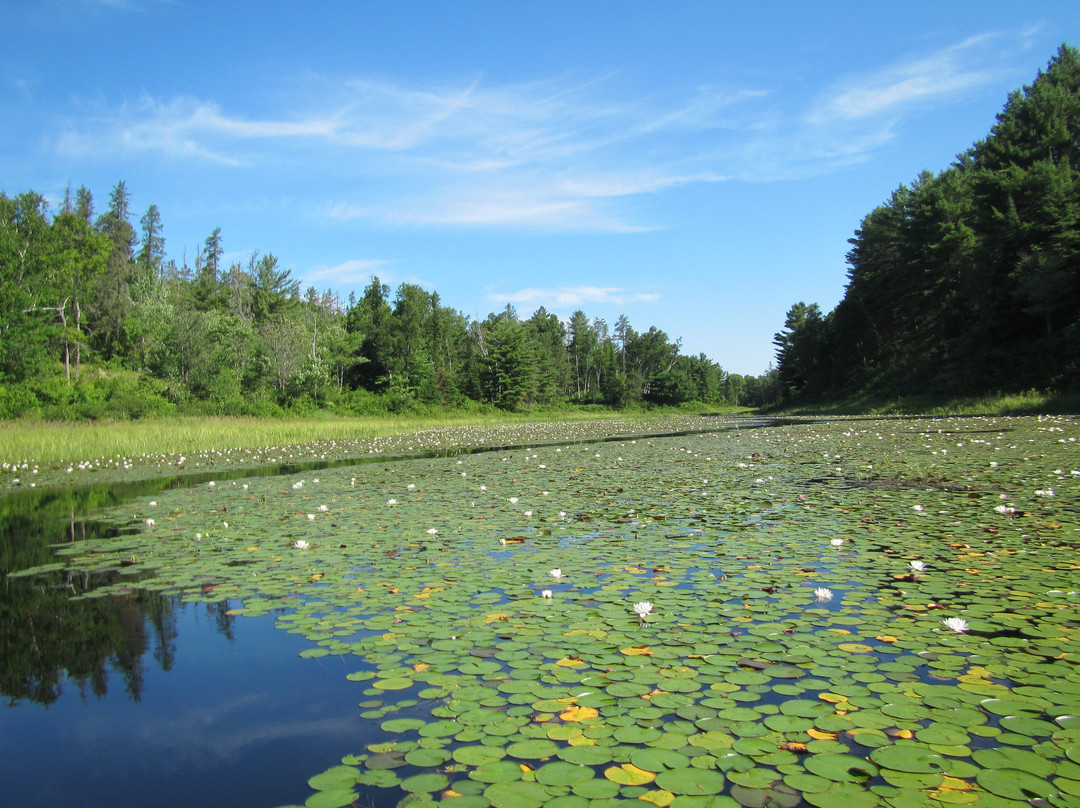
(583, 341)
(509, 375)
(273, 291)
(370, 317)
(151, 257)
(547, 335)
(24, 333)
(798, 348)
(78, 259)
(113, 296)
(206, 288)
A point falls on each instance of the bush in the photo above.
(18, 401)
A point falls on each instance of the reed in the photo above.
(49, 443)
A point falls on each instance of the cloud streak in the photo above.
(567, 296)
(550, 155)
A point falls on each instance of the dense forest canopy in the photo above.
(967, 282)
(97, 320)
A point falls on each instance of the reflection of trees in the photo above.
(47, 639)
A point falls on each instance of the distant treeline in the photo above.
(95, 321)
(967, 282)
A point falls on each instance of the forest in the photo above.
(966, 282)
(98, 322)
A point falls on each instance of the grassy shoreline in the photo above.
(1032, 402)
(37, 453)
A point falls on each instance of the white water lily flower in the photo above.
(152, 502)
(149, 521)
(432, 531)
(823, 593)
(836, 542)
(916, 507)
(642, 608)
(301, 544)
(957, 624)
(311, 516)
(323, 508)
(1005, 509)
(411, 486)
(545, 593)
(528, 513)
(916, 567)
(1049, 492)
(556, 573)
(391, 502)
(483, 488)
(513, 500)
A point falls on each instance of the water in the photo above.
(144, 700)
(239, 719)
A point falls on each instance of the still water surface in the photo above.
(147, 700)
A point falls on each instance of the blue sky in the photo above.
(697, 166)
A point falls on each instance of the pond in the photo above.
(863, 612)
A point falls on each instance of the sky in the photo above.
(697, 166)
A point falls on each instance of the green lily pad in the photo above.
(691, 781)
(1015, 784)
(908, 758)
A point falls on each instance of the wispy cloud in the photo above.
(353, 273)
(556, 154)
(943, 75)
(565, 296)
(553, 154)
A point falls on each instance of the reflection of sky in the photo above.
(241, 723)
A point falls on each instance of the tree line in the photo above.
(97, 320)
(965, 282)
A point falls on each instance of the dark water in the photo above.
(144, 700)
(237, 720)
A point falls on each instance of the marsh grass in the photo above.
(48, 443)
(1031, 402)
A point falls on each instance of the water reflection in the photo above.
(145, 700)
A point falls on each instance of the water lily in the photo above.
(311, 516)
(513, 500)
(643, 608)
(545, 593)
(432, 531)
(917, 567)
(836, 542)
(1008, 510)
(324, 508)
(301, 544)
(391, 502)
(823, 594)
(149, 521)
(957, 624)
(556, 573)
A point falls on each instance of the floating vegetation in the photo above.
(855, 613)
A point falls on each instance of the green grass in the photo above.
(50, 443)
(1031, 402)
